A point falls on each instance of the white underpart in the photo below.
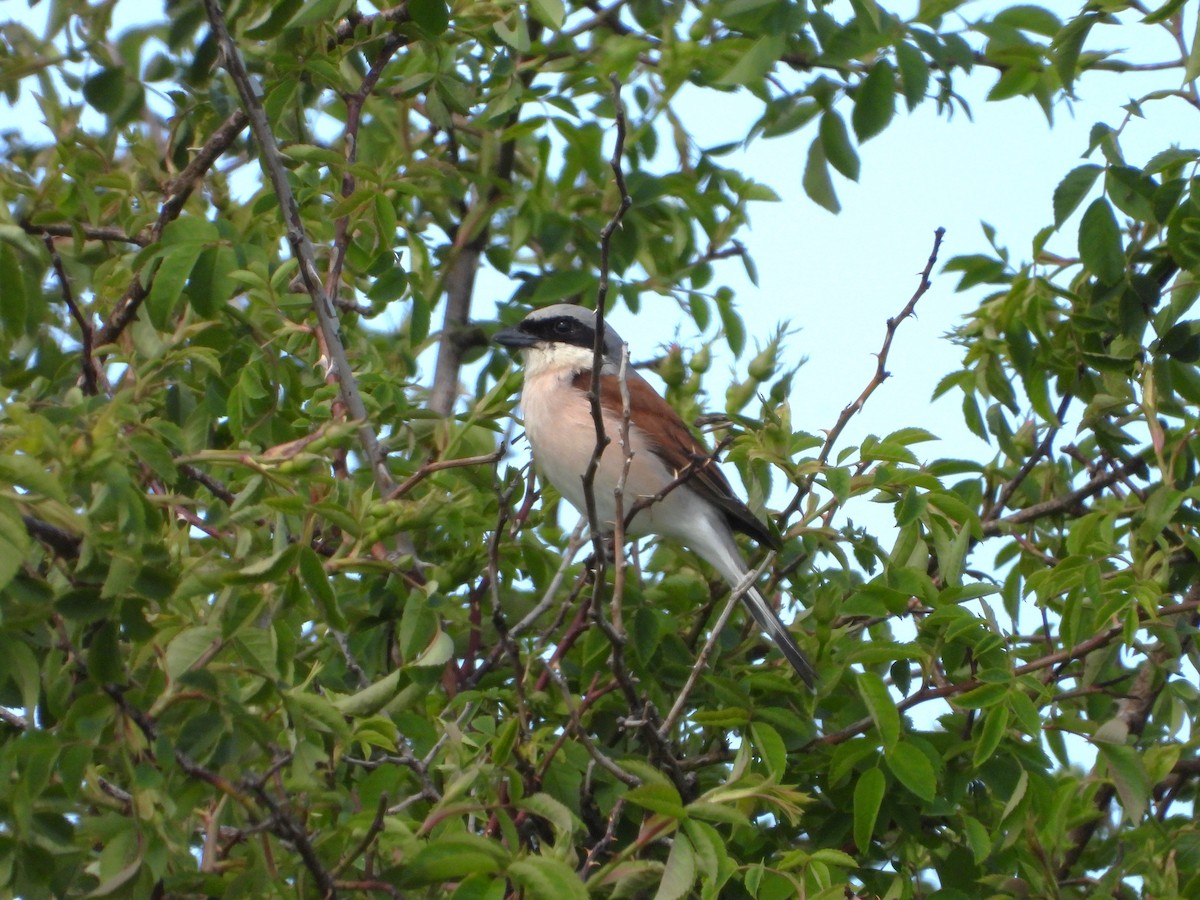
(559, 424)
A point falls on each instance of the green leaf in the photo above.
(914, 73)
(513, 30)
(1128, 775)
(315, 578)
(1072, 189)
(1100, 245)
(659, 798)
(372, 698)
(914, 770)
(14, 541)
(995, 726)
(432, 15)
(1068, 44)
(680, 872)
(770, 747)
(189, 646)
(546, 879)
(756, 62)
(881, 707)
(451, 857)
(104, 660)
(106, 89)
(1192, 68)
(30, 474)
(835, 141)
(874, 102)
(868, 797)
(315, 11)
(549, 12)
(562, 286)
(816, 182)
(14, 308)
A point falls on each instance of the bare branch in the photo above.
(881, 375)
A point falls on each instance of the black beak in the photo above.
(514, 338)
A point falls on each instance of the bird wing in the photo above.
(677, 447)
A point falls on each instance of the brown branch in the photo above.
(440, 465)
(881, 375)
(354, 107)
(215, 487)
(302, 249)
(1133, 711)
(91, 232)
(470, 239)
(86, 332)
(354, 20)
(586, 739)
(177, 192)
(948, 690)
(1042, 449)
(1066, 503)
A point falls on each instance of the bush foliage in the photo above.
(279, 620)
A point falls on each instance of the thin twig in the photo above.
(176, 192)
(602, 439)
(948, 690)
(440, 465)
(601, 760)
(86, 331)
(90, 232)
(881, 375)
(1010, 488)
(706, 651)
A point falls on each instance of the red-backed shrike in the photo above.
(702, 513)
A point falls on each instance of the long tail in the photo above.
(716, 545)
(777, 631)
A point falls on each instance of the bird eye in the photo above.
(562, 326)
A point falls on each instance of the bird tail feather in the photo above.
(777, 631)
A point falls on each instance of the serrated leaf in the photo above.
(881, 707)
(835, 141)
(187, 647)
(770, 748)
(1100, 245)
(680, 872)
(312, 573)
(868, 796)
(1072, 189)
(544, 878)
(874, 102)
(913, 769)
(432, 15)
(451, 857)
(756, 62)
(816, 181)
(995, 726)
(372, 698)
(549, 12)
(914, 73)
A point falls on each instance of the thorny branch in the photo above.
(881, 375)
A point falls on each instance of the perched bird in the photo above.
(701, 513)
